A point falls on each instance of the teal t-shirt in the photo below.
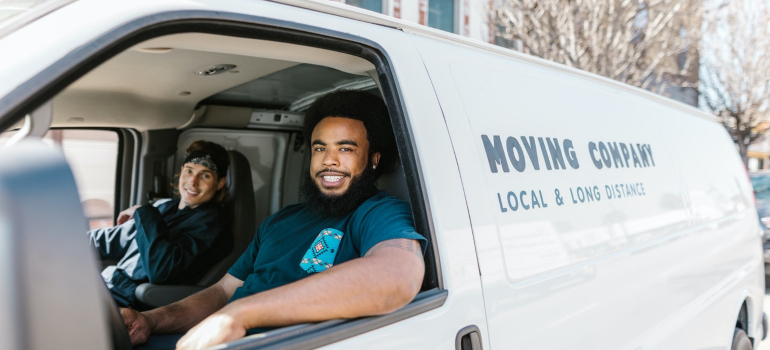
(281, 250)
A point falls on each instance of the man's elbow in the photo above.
(403, 296)
(405, 288)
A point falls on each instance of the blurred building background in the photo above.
(675, 76)
(464, 17)
(759, 155)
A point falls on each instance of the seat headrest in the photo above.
(238, 177)
(240, 206)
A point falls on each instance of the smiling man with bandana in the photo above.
(349, 250)
(172, 241)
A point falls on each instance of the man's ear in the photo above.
(376, 159)
(222, 183)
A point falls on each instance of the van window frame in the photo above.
(55, 78)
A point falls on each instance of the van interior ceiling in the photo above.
(158, 84)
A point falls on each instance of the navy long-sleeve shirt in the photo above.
(162, 245)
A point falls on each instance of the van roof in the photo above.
(359, 14)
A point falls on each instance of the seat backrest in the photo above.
(394, 183)
(240, 208)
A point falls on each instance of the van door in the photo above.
(579, 217)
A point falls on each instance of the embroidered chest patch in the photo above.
(321, 254)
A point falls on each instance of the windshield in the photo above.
(761, 184)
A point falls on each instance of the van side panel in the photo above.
(723, 218)
(584, 226)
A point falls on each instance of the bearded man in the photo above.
(347, 251)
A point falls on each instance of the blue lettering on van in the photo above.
(648, 150)
(626, 154)
(515, 205)
(593, 151)
(545, 153)
(605, 154)
(528, 200)
(557, 155)
(517, 159)
(626, 190)
(585, 194)
(571, 155)
(532, 199)
(636, 158)
(643, 155)
(502, 208)
(557, 197)
(531, 148)
(552, 152)
(620, 155)
(615, 153)
(495, 153)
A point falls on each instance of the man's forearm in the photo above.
(179, 317)
(372, 285)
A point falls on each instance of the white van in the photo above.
(563, 210)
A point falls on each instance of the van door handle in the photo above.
(468, 338)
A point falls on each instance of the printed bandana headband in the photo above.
(205, 159)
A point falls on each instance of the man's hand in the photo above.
(181, 316)
(218, 328)
(126, 215)
(137, 324)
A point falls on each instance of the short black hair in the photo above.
(357, 105)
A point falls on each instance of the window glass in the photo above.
(371, 5)
(441, 14)
(92, 156)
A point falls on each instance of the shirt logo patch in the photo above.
(320, 255)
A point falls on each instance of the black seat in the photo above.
(240, 208)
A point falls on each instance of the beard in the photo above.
(361, 188)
